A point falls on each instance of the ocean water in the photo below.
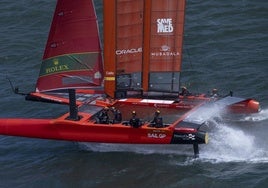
(225, 47)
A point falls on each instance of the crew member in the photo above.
(184, 91)
(158, 120)
(134, 121)
(103, 116)
(117, 115)
(214, 93)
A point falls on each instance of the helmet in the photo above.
(157, 111)
(133, 112)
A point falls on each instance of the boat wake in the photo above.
(261, 116)
(139, 148)
(228, 142)
(231, 143)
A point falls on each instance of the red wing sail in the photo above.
(123, 43)
(143, 45)
(166, 35)
(72, 58)
(129, 42)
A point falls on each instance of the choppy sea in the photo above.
(225, 47)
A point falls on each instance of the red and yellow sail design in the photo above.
(143, 45)
(72, 57)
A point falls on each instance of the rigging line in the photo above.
(174, 44)
(189, 56)
(190, 62)
(14, 89)
(79, 78)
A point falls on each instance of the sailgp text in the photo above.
(156, 135)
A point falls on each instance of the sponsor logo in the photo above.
(109, 73)
(97, 75)
(159, 134)
(191, 136)
(56, 67)
(185, 136)
(156, 135)
(164, 25)
(161, 105)
(165, 50)
(128, 51)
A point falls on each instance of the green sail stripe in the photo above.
(69, 63)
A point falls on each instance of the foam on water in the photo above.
(227, 143)
(139, 148)
(230, 143)
(261, 116)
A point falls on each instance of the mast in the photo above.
(109, 46)
(72, 106)
(146, 45)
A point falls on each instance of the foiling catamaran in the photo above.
(130, 92)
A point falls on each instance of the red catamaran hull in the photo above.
(86, 129)
(82, 131)
(183, 102)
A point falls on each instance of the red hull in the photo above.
(245, 107)
(80, 131)
(177, 128)
(87, 128)
(85, 131)
(188, 102)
